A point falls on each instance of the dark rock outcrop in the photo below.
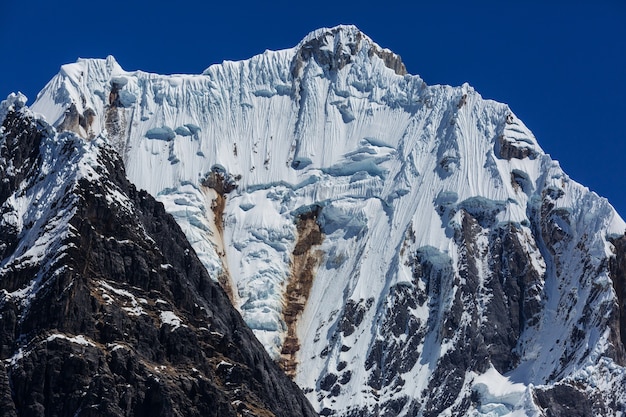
(565, 401)
(617, 268)
(510, 149)
(121, 319)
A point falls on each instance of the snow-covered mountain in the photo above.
(401, 249)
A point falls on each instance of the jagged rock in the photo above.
(345, 44)
(117, 317)
(78, 123)
(508, 149)
(565, 401)
(618, 277)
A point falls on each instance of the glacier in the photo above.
(400, 248)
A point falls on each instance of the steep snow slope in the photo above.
(402, 249)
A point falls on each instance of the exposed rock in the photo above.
(123, 319)
(515, 304)
(19, 152)
(390, 59)
(305, 261)
(510, 149)
(115, 119)
(220, 180)
(222, 183)
(455, 250)
(7, 407)
(347, 42)
(392, 355)
(352, 317)
(78, 123)
(617, 267)
(564, 401)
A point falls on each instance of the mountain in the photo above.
(105, 308)
(400, 249)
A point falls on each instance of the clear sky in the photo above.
(560, 65)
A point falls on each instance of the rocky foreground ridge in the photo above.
(105, 309)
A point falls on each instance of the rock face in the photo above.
(451, 266)
(105, 308)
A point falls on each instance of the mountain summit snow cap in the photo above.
(13, 102)
(334, 48)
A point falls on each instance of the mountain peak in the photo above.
(13, 102)
(344, 32)
(402, 249)
(334, 48)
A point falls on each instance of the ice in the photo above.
(175, 81)
(161, 133)
(368, 166)
(343, 218)
(495, 388)
(264, 93)
(119, 81)
(127, 99)
(194, 129)
(183, 131)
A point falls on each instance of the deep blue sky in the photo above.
(561, 66)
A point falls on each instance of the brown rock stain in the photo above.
(221, 183)
(77, 122)
(224, 277)
(305, 260)
(218, 204)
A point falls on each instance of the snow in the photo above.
(170, 318)
(131, 304)
(13, 102)
(392, 164)
(79, 340)
(115, 346)
(25, 351)
(498, 396)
